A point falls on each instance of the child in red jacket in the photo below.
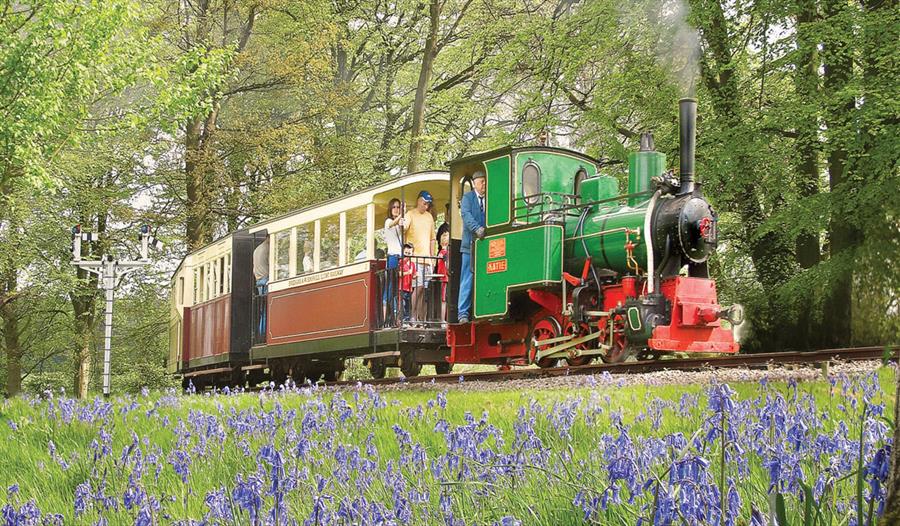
(443, 269)
(407, 271)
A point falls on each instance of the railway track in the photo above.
(682, 364)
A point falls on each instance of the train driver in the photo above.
(472, 211)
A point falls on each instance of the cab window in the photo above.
(531, 183)
(580, 176)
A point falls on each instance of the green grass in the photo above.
(540, 494)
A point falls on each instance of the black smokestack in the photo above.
(687, 118)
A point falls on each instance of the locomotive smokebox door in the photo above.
(697, 232)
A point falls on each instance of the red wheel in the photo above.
(619, 351)
(582, 329)
(544, 329)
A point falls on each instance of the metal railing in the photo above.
(547, 206)
(550, 206)
(412, 294)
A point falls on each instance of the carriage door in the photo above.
(260, 292)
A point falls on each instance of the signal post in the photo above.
(110, 272)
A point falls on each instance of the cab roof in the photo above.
(509, 150)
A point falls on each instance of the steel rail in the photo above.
(679, 364)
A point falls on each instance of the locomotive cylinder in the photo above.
(687, 119)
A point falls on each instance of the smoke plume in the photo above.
(677, 42)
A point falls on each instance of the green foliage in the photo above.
(56, 59)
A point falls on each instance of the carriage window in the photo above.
(213, 278)
(466, 185)
(181, 291)
(228, 273)
(356, 235)
(330, 242)
(208, 294)
(580, 176)
(203, 287)
(196, 298)
(222, 275)
(283, 254)
(306, 244)
(531, 183)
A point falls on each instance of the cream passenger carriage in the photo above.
(322, 301)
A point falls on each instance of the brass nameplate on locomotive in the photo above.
(497, 248)
(494, 267)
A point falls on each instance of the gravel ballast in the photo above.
(669, 377)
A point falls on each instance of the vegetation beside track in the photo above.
(418, 457)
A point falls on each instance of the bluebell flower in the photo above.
(83, 496)
(181, 462)
(589, 504)
(27, 515)
(247, 495)
(445, 503)
(133, 496)
(876, 472)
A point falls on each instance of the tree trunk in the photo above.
(806, 84)
(9, 283)
(83, 306)
(198, 229)
(843, 235)
(380, 165)
(195, 187)
(418, 116)
(11, 334)
(83, 299)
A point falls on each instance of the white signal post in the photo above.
(110, 272)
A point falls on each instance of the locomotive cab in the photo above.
(530, 195)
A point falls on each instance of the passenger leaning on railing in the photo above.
(393, 237)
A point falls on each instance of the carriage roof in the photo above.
(404, 186)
